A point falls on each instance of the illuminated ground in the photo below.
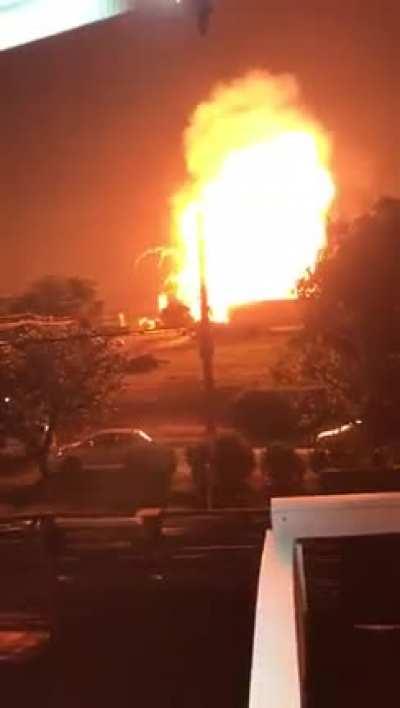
(170, 397)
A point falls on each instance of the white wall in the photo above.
(274, 676)
(23, 21)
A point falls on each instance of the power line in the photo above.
(89, 335)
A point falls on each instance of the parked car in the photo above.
(113, 469)
(349, 446)
(108, 449)
(344, 446)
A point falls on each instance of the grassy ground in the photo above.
(168, 402)
(173, 393)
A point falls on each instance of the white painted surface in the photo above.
(274, 679)
(274, 675)
(338, 515)
(23, 21)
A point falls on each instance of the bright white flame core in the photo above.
(261, 211)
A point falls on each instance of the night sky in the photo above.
(91, 125)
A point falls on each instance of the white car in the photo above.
(107, 449)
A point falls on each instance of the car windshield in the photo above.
(200, 209)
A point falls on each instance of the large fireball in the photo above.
(258, 195)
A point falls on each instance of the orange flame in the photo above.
(259, 195)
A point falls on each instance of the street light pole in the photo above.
(206, 349)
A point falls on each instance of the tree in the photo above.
(62, 381)
(176, 314)
(60, 297)
(351, 340)
(283, 470)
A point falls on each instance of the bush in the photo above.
(232, 462)
(319, 460)
(198, 458)
(283, 470)
(264, 415)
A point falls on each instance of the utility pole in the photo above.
(206, 350)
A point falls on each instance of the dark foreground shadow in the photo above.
(134, 618)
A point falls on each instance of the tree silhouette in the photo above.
(351, 340)
(176, 314)
(63, 383)
(60, 297)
